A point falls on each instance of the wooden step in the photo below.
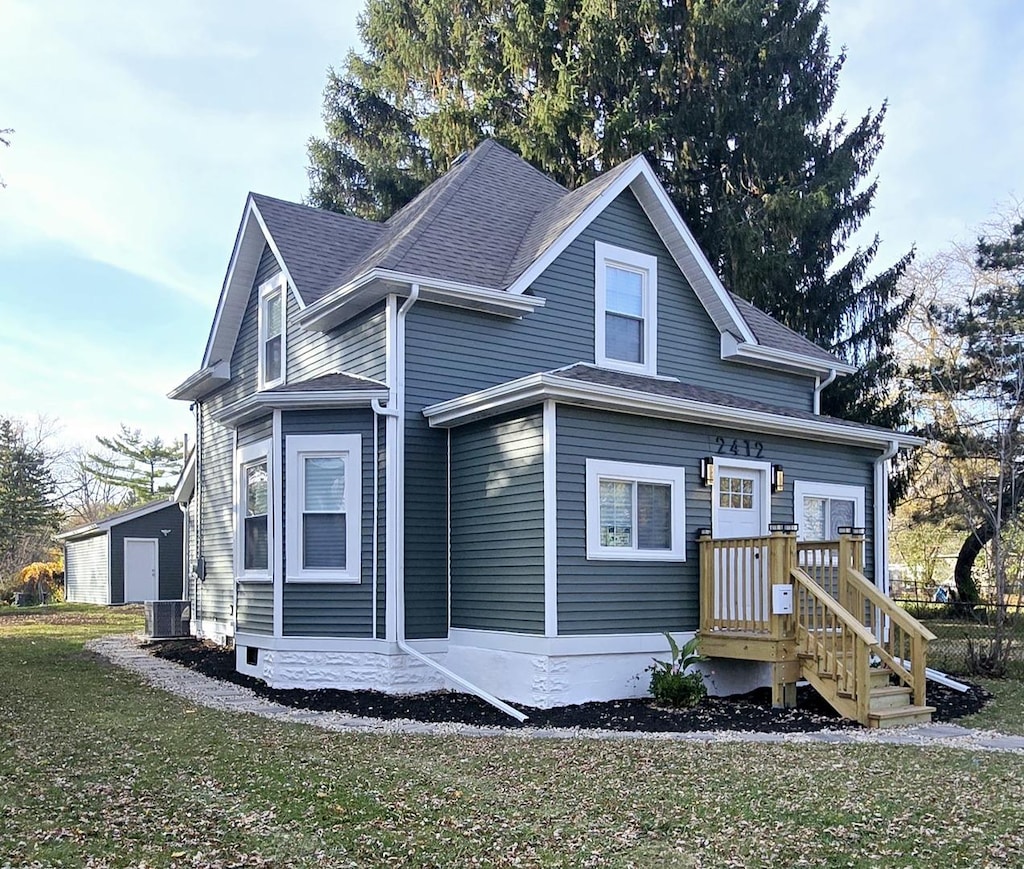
(879, 676)
(889, 697)
(906, 715)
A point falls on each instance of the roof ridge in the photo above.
(457, 178)
(325, 212)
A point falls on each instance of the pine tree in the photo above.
(28, 515)
(144, 469)
(729, 101)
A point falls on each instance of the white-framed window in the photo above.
(254, 514)
(626, 309)
(272, 303)
(821, 509)
(323, 505)
(635, 512)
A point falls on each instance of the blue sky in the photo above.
(140, 127)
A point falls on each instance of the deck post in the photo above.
(707, 584)
(782, 559)
(843, 591)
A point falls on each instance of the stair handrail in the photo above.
(913, 676)
(854, 638)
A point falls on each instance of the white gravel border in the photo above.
(126, 651)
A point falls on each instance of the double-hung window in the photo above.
(271, 332)
(634, 511)
(626, 326)
(323, 506)
(254, 514)
(821, 509)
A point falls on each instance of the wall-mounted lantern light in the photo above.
(778, 480)
(707, 471)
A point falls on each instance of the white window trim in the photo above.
(598, 469)
(609, 254)
(809, 489)
(244, 456)
(297, 447)
(278, 284)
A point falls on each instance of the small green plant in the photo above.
(670, 683)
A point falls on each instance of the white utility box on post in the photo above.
(782, 600)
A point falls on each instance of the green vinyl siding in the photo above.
(627, 597)
(497, 525)
(256, 607)
(336, 609)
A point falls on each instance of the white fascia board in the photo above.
(640, 170)
(259, 403)
(771, 357)
(204, 380)
(234, 295)
(106, 524)
(538, 387)
(647, 175)
(351, 299)
(186, 482)
(280, 259)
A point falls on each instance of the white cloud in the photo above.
(120, 156)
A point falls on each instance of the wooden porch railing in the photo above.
(840, 619)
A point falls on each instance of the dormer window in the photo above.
(626, 290)
(271, 333)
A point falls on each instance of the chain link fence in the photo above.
(972, 640)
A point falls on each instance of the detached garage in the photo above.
(132, 556)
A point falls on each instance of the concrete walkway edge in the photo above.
(126, 651)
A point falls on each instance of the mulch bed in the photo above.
(748, 712)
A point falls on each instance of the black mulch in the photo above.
(747, 712)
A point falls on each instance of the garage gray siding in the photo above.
(625, 597)
(338, 609)
(497, 525)
(87, 565)
(170, 556)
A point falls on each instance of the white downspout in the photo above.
(820, 386)
(882, 517)
(398, 521)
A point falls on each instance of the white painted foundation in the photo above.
(210, 629)
(392, 673)
(542, 672)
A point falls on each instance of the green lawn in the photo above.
(98, 770)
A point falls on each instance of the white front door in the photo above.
(140, 569)
(740, 510)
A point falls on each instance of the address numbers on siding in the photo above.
(738, 447)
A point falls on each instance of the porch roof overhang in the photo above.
(558, 386)
(258, 404)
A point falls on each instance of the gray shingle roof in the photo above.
(316, 245)
(467, 225)
(330, 383)
(483, 223)
(675, 389)
(771, 333)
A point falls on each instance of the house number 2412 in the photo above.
(739, 447)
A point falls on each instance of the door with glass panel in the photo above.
(739, 515)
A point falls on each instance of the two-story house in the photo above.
(491, 442)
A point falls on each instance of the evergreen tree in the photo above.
(144, 469)
(28, 515)
(728, 100)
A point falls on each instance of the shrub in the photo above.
(671, 684)
(38, 581)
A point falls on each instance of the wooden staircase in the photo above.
(864, 654)
(863, 674)
(888, 705)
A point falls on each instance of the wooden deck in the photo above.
(807, 609)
